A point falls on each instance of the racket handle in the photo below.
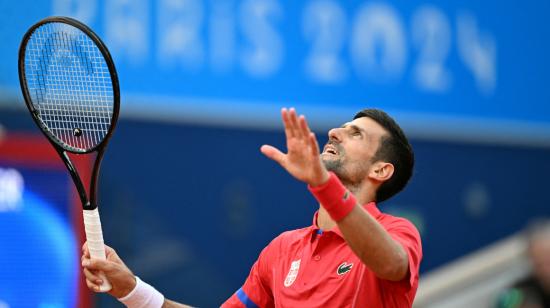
(94, 237)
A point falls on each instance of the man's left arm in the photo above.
(376, 248)
(384, 249)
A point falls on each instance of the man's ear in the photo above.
(381, 171)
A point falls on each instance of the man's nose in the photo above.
(335, 134)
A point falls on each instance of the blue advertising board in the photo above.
(461, 66)
(39, 239)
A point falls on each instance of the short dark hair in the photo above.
(395, 149)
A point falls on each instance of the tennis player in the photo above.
(353, 255)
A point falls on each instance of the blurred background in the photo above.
(188, 200)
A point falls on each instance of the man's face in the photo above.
(350, 148)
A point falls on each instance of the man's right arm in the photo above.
(126, 287)
(125, 284)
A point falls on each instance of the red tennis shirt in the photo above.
(310, 267)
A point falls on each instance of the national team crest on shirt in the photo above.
(344, 268)
(292, 273)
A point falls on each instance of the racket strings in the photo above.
(70, 85)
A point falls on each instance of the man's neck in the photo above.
(324, 221)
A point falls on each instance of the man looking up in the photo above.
(352, 255)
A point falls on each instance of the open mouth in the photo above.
(330, 149)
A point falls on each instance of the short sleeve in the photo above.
(406, 234)
(256, 291)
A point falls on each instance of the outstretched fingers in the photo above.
(273, 153)
(309, 135)
(314, 146)
(292, 124)
(287, 122)
(295, 123)
(304, 128)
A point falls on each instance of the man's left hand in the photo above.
(302, 160)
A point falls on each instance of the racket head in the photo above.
(69, 83)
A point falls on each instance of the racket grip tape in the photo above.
(94, 237)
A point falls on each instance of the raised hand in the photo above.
(302, 160)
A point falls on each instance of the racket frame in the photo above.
(89, 202)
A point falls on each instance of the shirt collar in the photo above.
(370, 207)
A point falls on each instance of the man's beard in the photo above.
(334, 165)
(338, 165)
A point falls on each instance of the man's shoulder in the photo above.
(391, 220)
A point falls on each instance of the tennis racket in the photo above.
(70, 87)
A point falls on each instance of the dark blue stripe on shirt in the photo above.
(245, 299)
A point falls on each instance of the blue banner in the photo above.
(444, 68)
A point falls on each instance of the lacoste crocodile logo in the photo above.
(344, 268)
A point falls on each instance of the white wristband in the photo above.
(143, 296)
